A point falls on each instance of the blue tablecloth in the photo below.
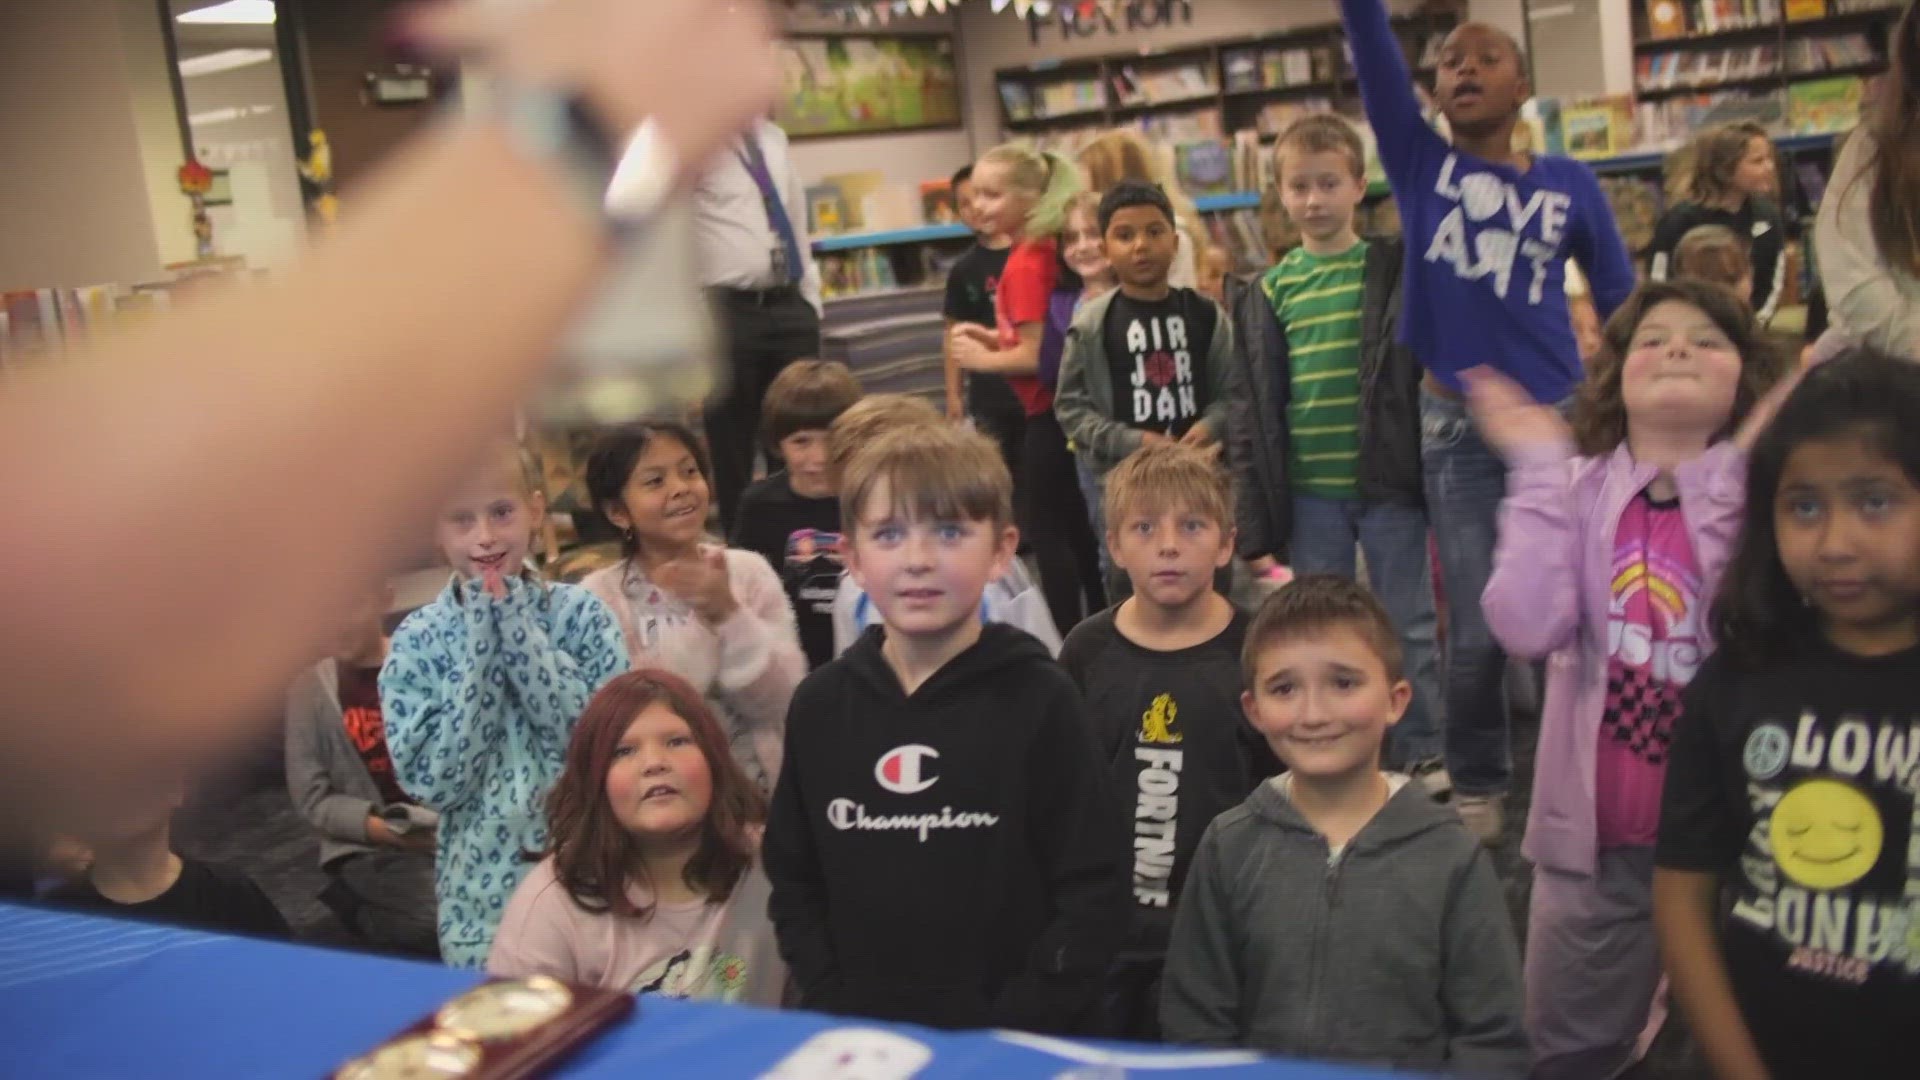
(82, 997)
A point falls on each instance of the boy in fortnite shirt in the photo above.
(1488, 232)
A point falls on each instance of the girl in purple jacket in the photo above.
(1613, 535)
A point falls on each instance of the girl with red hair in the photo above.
(652, 880)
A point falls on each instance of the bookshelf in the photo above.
(1748, 49)
(1236, 80)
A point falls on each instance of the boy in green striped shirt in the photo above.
(1324, 439)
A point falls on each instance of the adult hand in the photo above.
(1507, 417)
(970, 353)
(700, 69)
(699, 580)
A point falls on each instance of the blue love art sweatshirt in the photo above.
(1487, 244)
(480, 696)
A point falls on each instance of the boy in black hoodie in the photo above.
(944, 845)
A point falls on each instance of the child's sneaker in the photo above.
(1483, 816)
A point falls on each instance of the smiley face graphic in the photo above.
(1825, 834)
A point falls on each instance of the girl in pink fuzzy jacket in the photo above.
(1613, 535)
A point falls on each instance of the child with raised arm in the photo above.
(1339, 912)
(945, 846)
(480, 692)
(1613, 537)
(1488, 233)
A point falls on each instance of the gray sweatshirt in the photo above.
(328, 780)
(1400, 953)
(1084, 401)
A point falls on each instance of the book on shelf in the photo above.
(1824, 105)
(1017, 100)
(1826, 53)
(826, 210)
(1597, 127)
(1204, 168)
(1666, 19)
(936, 202)
(1802, 10)
(1241, 68)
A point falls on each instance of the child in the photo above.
(1122, 154)
(127, 829)
(650, 883)
(1716, 254)
(1156, 672)
(1324, 415)
(1084, 250)
(1023, 194)
(1606, 561)
(1147, 362)
(1867, 233)
(792, 518)
(479, 693)
(1791, 784)
(716, 616)
(944, 845)
(1731, 179)
(376, 843)
(972, 285)
(1009, 598)
(1488, 234)
(1340, 913)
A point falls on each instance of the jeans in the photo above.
(1394, 539)
(1465, 482)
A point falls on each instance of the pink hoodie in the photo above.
(1550, 593)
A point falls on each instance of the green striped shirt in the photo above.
(1317, 298)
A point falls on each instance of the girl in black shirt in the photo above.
(1731, 182)
(1792, 778)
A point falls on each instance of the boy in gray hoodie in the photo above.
(1340, 913)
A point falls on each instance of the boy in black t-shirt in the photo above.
(944, 843)
(972, 284)
(1148, 362)
(136, 874)
(792, 518)
(1160, 674)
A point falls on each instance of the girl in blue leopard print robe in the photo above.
(480, 693)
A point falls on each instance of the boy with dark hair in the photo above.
(972, 284)
(136, 874)
(1339, 913)
(792, 517)
(1489, 230)
(939, 757)
(1157, 673)
(1324, 414)
(1147, 362)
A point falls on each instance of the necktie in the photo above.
(756, 162)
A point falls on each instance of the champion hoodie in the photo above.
(955, 857)
(1399, 953)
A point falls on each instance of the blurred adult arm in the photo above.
(189, 501)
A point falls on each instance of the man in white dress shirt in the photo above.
(751, 230)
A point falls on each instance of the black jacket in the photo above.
(1258, 389)
(954, 857)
